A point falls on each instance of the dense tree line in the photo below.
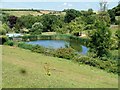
(71, 14)
(72, 22)
(113, 13)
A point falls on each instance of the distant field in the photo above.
(35, 13)
(20, 13)
(25, 69)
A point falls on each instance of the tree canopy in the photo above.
(71, 14)
(100, 39)
(12, 21)
(36, 29)
(51, 22)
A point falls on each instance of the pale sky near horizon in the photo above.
(77, 4)
(58, 0)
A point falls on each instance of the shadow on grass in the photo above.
(23, 71)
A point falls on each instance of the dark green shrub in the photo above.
(91, 54)
(9, 42)
(102, 65)
(43, 50)
(49, 52)
(113, 70)
(67, 53)
(3, 39)
(38, 49)
(104, 58)
(10, 38)
(108, 65)
(85, 60)
(112, 66)
(25, 46)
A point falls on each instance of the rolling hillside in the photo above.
(25, 69)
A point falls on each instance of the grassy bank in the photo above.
(22, 68)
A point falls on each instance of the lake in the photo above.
(60, 44)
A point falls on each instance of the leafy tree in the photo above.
(17, 28)
(100, 39)
(51, 22)
(37, 28)
(90, 11)
(64, 29)
(89, 18)
(71, 14)
(104, 16)
(26, 21)
(12, 21)
(112, 16)
(117, 34)
(89, 22)
(47, 21)
(76, 26)
(116, 10)
(6, 27)
(87, 13)
(2, 30)
(4, 17)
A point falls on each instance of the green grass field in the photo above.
(25, 69)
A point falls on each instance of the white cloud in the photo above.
(64, 4)
(67, 4)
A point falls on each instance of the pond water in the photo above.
(60, 44)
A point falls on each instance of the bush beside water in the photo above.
(9, 42)
(38, 49)
(25, 46)
(67, 53)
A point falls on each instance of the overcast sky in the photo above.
(56, 4)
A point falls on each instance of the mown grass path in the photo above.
(25, 69)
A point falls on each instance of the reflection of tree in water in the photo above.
(76, 45)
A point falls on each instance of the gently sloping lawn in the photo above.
(25, 69)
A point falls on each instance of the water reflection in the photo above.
(78, 47)
(61, 44)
